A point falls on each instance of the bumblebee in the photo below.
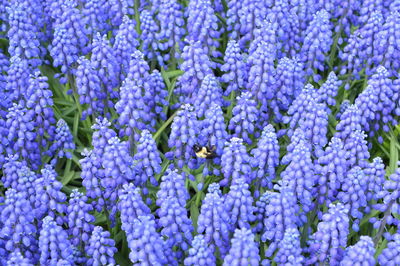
(206, 152)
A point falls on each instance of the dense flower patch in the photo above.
(199, 132)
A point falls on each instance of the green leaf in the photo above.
(101, 218)
(173, 73)
(121, 260)
(394, 154)
(3, 44)
(67, 177)
(63, 102)
(75, 125)
(194, 214)
(164, 126)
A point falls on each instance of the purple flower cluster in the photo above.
(202, 132)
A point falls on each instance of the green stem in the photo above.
(230, 107)
(383, 223)
(164, 126)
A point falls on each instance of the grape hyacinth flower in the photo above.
(350, 121)
(376, 178)
(326, 245)
(235, 162)
(92, 173)
(126, 42)
(342, 108)
(18, 227)
(64, 51)
(266, 156)
(382, 104)
(22, 135)
(389, 205)
(147, 160)
(235, 69)
(386, 43)
(175, 225)
(119, 9)
(390, 7)
(265, 34)
(195, 66)
(391, 255)
(101, 136)
(79, 219)
(159, 94)
(281, 213)
(251, 15)
(300, 176)
(40, 102)
(239, 204)
(50, 200)
(329, 90)
(3, 141)
(213, 130)
(297, 137)
(3, 17)
(89, 89)
(357, 149)
(298, 108)
(101, 248)
(54, 244)
(214, 220)
(289, 252)
(10, 171)
(317, 43)
(4, 65)
(367, 102)
(24, 31)
(64, 141)
(351, 54)
(203, 25)
(232, 17)
(118, 167)
(135, 114)
(70, 38)
(262, 77)
(346, 15)
(172, 28)
(131, 205)
(368, 8)
(353, 195)
(145, 244)
(200, 253)
(246, 118)
(210, 92)
(17, 81)
(260, 210)
(26, 184)
(184, 129)
(314, 124)
(362, 253)
(139, 69)
(105, 63)
(96, 14)
(16, 259)
(112, 167)
(359, 53)
(243, 248)
(290, 79)
(149, 30)
(71, 19)
(173, 185)
(287, 25)
(332, 171)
